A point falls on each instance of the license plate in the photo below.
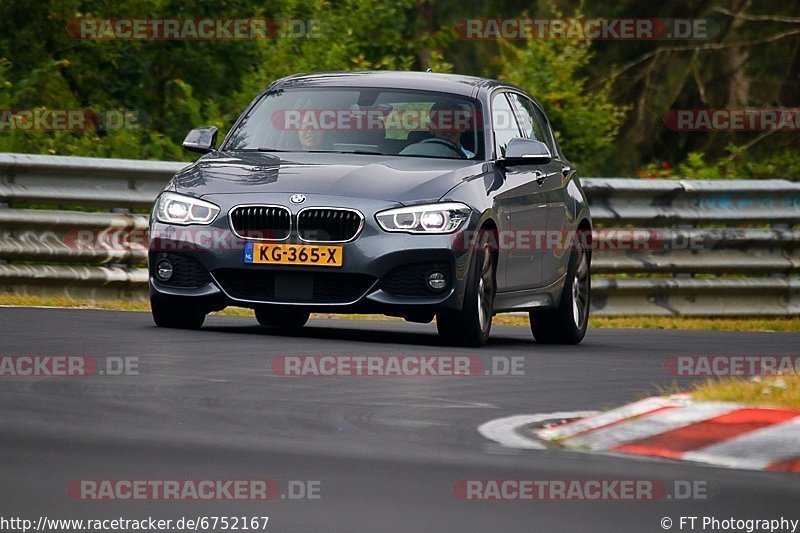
(293, 254)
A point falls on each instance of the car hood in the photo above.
(392, 178)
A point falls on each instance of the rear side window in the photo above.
(504, 123)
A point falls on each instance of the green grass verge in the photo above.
(780, 391)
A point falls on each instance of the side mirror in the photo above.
(526, 152)
(201, 140)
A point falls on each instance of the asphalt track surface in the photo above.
(386, 451)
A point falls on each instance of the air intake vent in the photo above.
(324, 224)
(267, 222)
(187, 272)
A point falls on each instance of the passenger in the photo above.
(310, 137)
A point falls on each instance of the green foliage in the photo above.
(170, 86)
(351, 35)
(585, 122)
(119, 132)
(175, 86)
(606, 99)
(737, 164)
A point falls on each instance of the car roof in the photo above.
(385, 79)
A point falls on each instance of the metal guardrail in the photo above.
(708, 248)
(82, 181)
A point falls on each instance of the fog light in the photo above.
(164, 270)
(437, 281)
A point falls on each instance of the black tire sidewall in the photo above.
(464, 327)
(170, 313)
(557, 325)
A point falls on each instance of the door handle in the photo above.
(539, 176)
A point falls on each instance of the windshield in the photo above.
(362, 121)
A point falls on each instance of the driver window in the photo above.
(504, 123)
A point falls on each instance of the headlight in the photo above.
(174, 208)
(431, 218)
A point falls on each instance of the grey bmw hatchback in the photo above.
(410, 194)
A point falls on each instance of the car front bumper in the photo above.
(381, 271)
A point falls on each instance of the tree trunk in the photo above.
(739, 84)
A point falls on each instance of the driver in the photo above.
(446, 131)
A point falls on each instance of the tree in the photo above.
(586, 122)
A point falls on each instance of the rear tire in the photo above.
(273, 317)
(170, 313)
(567, 323)
(471, 325)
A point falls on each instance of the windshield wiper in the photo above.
(299, 151)
(367, 152)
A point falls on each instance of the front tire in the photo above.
(281, 318)
(567, 323)
(170, 313)
(471, 325)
